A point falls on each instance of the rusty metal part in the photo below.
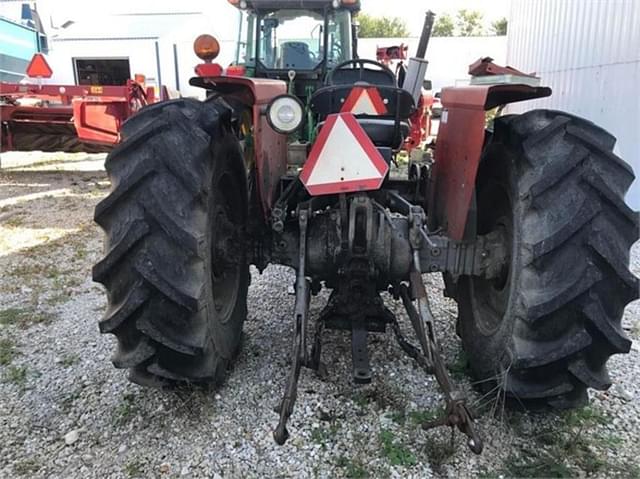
(299, 355)
(485, 66)
(457, 413)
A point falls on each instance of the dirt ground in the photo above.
(66, 412)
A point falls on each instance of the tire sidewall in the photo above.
(491, 353)
(226, 335)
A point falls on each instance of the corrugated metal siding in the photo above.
(588, 51)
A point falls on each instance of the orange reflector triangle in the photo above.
(364, 101)
(38, 67)
(343, 159)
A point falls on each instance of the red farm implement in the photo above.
(66, 117)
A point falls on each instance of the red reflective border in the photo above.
(354, 96)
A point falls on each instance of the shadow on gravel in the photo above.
(14, 184)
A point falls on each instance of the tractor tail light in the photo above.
(236, 70)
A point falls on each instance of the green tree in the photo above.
(381, 27)
(469, 23)
(499, 27)
(444, 26)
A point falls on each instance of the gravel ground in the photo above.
(66, 412)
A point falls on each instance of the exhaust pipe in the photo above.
(417, 67)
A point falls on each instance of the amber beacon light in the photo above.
(206, 47)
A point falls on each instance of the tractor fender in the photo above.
(270, 147)
(461, 137)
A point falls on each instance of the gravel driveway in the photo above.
(66, 412)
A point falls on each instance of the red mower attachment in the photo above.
(67, 118)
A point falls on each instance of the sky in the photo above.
(411, 11)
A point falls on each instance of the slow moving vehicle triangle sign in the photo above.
(343, 159)
(364, 101)
(38, 67)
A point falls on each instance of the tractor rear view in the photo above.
(288, 162)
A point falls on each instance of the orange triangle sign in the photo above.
(38, 67)
(364, 101)
(343, 159)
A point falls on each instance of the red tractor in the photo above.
(288, 162)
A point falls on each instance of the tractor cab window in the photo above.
(295, 39)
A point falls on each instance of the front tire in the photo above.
(175, 268)
(544, 329)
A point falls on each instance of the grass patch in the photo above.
(399, 416)
(567, 448)
(585, 416)
(67, 402)
(134, 468)
(7, 351)
(16, 375)
(361, 399)
(395, 452)
(537, 463)
(459, 368)
(125, 411)
(418, 418)
(69, 360)
(23, 317)
(31, 270)
(322, 436)
(353, 469)
(27, 467)
(15, 221)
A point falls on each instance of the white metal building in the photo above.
(156, 44)
(588, 52)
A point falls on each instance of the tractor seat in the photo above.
(296, 55)
(356, 70)
(386, 129)
(382, 131)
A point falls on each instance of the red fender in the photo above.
(270, 147)
(459, 145)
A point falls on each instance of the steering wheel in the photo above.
(353, 63)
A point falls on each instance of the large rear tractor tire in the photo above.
(175, 268)
(543, 330)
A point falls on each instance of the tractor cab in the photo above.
(311, 44)
(308, 37)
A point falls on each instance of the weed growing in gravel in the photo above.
(459, 368)
(67, 402)
(322, 436)
(27, 467)
(418, 418)
(566, 448)
(361, 399)
(395, 452)
(439, 452)
(23, 317)
(353, 469)
(7, 351)
(28, 270)
(16, 375)
(125, 411)
(134, 468)
(15, 221)
(69, 360)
